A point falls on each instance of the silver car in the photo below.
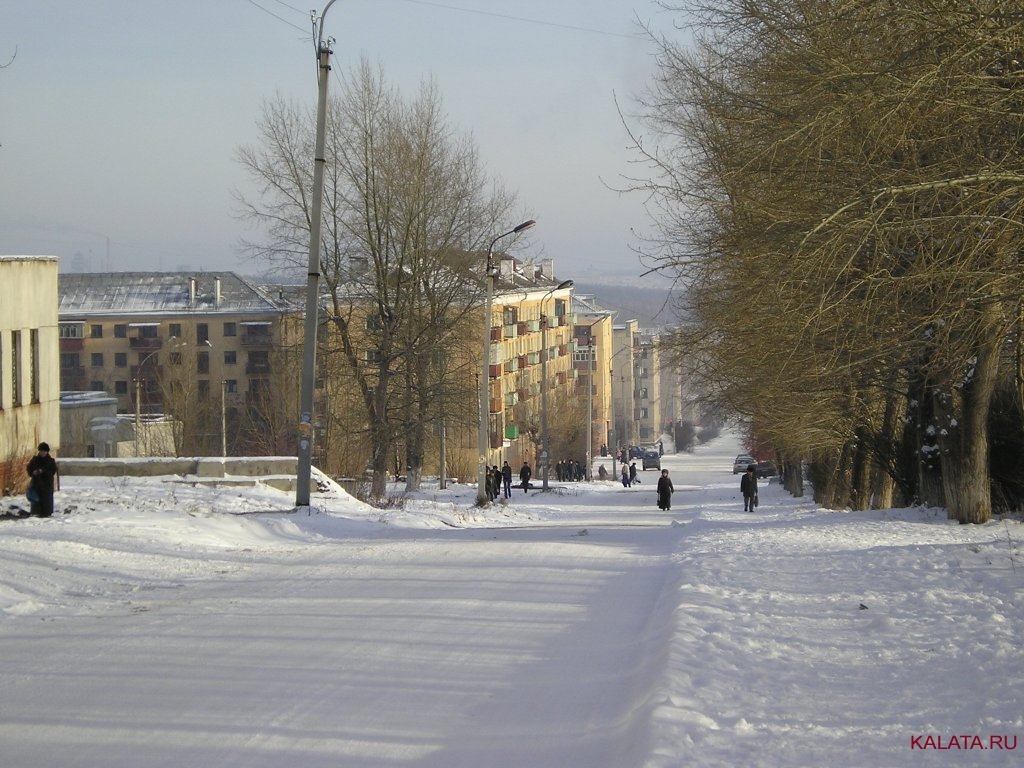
(742, 462)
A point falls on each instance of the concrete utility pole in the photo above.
(305, 453)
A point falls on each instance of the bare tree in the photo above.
(406, 209)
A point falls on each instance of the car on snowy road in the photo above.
(651, 458)
(742, 462)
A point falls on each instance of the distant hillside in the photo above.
(651, 306)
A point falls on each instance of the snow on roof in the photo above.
(105, 293)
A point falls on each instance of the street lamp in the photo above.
(223, 418)
(546, 449)
(482, 436)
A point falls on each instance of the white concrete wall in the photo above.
(28, 302)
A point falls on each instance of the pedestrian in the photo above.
(524, 477)
(506, 480)
(665, 491)
(42, 471)
(625, 476)
(602, 473)
(632, 473)
(496, 484)
(748, 487)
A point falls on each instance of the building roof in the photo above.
(160, 293)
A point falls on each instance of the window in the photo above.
(120, 387)
(96, 331)
(373, 322)
(68, 360)
(97, 360)
(231, 386)
(121, 331)
(203, 366)
(230, 329)
(96, 386)
(72, 330)
(149, 331)
(16, 368)
(230, 357)
(175, 358)
(120, 359)
(202, 333)
(33, 371)
(174, 329)
(204, 390)
(373, 357)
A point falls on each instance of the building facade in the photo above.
(170, 341)
(29, 385)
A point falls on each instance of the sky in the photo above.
(120, 121)
(159, 622)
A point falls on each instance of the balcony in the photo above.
(257, 367)
(494, 371)
(496, 333)
(145, 342)
(256, 340)
(72, 345)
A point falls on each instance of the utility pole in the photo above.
(305, 452)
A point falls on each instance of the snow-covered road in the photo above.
(154, 626)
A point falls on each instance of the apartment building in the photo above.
(140, 335)
(531, 350)
(648, 402)
(29, 388)
(592, 360)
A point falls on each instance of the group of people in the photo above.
(569, 470)
(629, 474)
(499, 480)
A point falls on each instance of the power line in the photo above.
(279, 18)
(523, 19)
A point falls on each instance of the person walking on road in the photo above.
(625, 476)
(506, 480)
(524, 477)
(748, 487)
(665, 491)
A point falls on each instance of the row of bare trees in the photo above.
(841, 184)
(407, 209)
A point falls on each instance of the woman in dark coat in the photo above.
(42, 471)
(665, 491)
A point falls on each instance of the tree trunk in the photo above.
(962, 415)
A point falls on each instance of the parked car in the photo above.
(651, 459)
(742, 462)
(766, 469)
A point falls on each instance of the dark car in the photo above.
(765, 469)
(651, 459)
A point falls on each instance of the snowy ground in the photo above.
(153, 623)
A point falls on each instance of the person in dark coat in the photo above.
(42, 472)
(506, 479)
(496, 485)
(665, 491)
(524, 477)
(625, 476)
(632, 473)
(748, 487)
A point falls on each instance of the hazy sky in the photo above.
(119, 121)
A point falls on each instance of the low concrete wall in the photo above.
(204, 467)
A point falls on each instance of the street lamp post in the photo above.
(546, 449)
(223, 418)
(482, 436)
